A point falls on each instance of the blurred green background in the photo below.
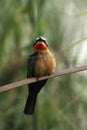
(62, 104)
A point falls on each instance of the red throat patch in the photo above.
(40, 46)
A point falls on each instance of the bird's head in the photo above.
(40, 44)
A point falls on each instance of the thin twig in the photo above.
(32, 80)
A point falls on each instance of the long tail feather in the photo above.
(30, 104)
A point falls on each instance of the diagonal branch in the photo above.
(32, 80)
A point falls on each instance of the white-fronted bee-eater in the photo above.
(40, 63)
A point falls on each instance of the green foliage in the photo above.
(62, 103)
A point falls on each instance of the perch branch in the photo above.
(32, 80)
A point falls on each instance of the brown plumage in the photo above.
(40, 63)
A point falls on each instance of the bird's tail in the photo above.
(30, 104)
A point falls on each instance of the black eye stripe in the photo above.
(40, 40)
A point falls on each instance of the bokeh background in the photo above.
(62, 104)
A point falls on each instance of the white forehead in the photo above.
(41, 38)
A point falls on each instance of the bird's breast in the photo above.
(45, 64)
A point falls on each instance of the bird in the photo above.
(40, 63)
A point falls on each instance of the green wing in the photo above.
(31, 60)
